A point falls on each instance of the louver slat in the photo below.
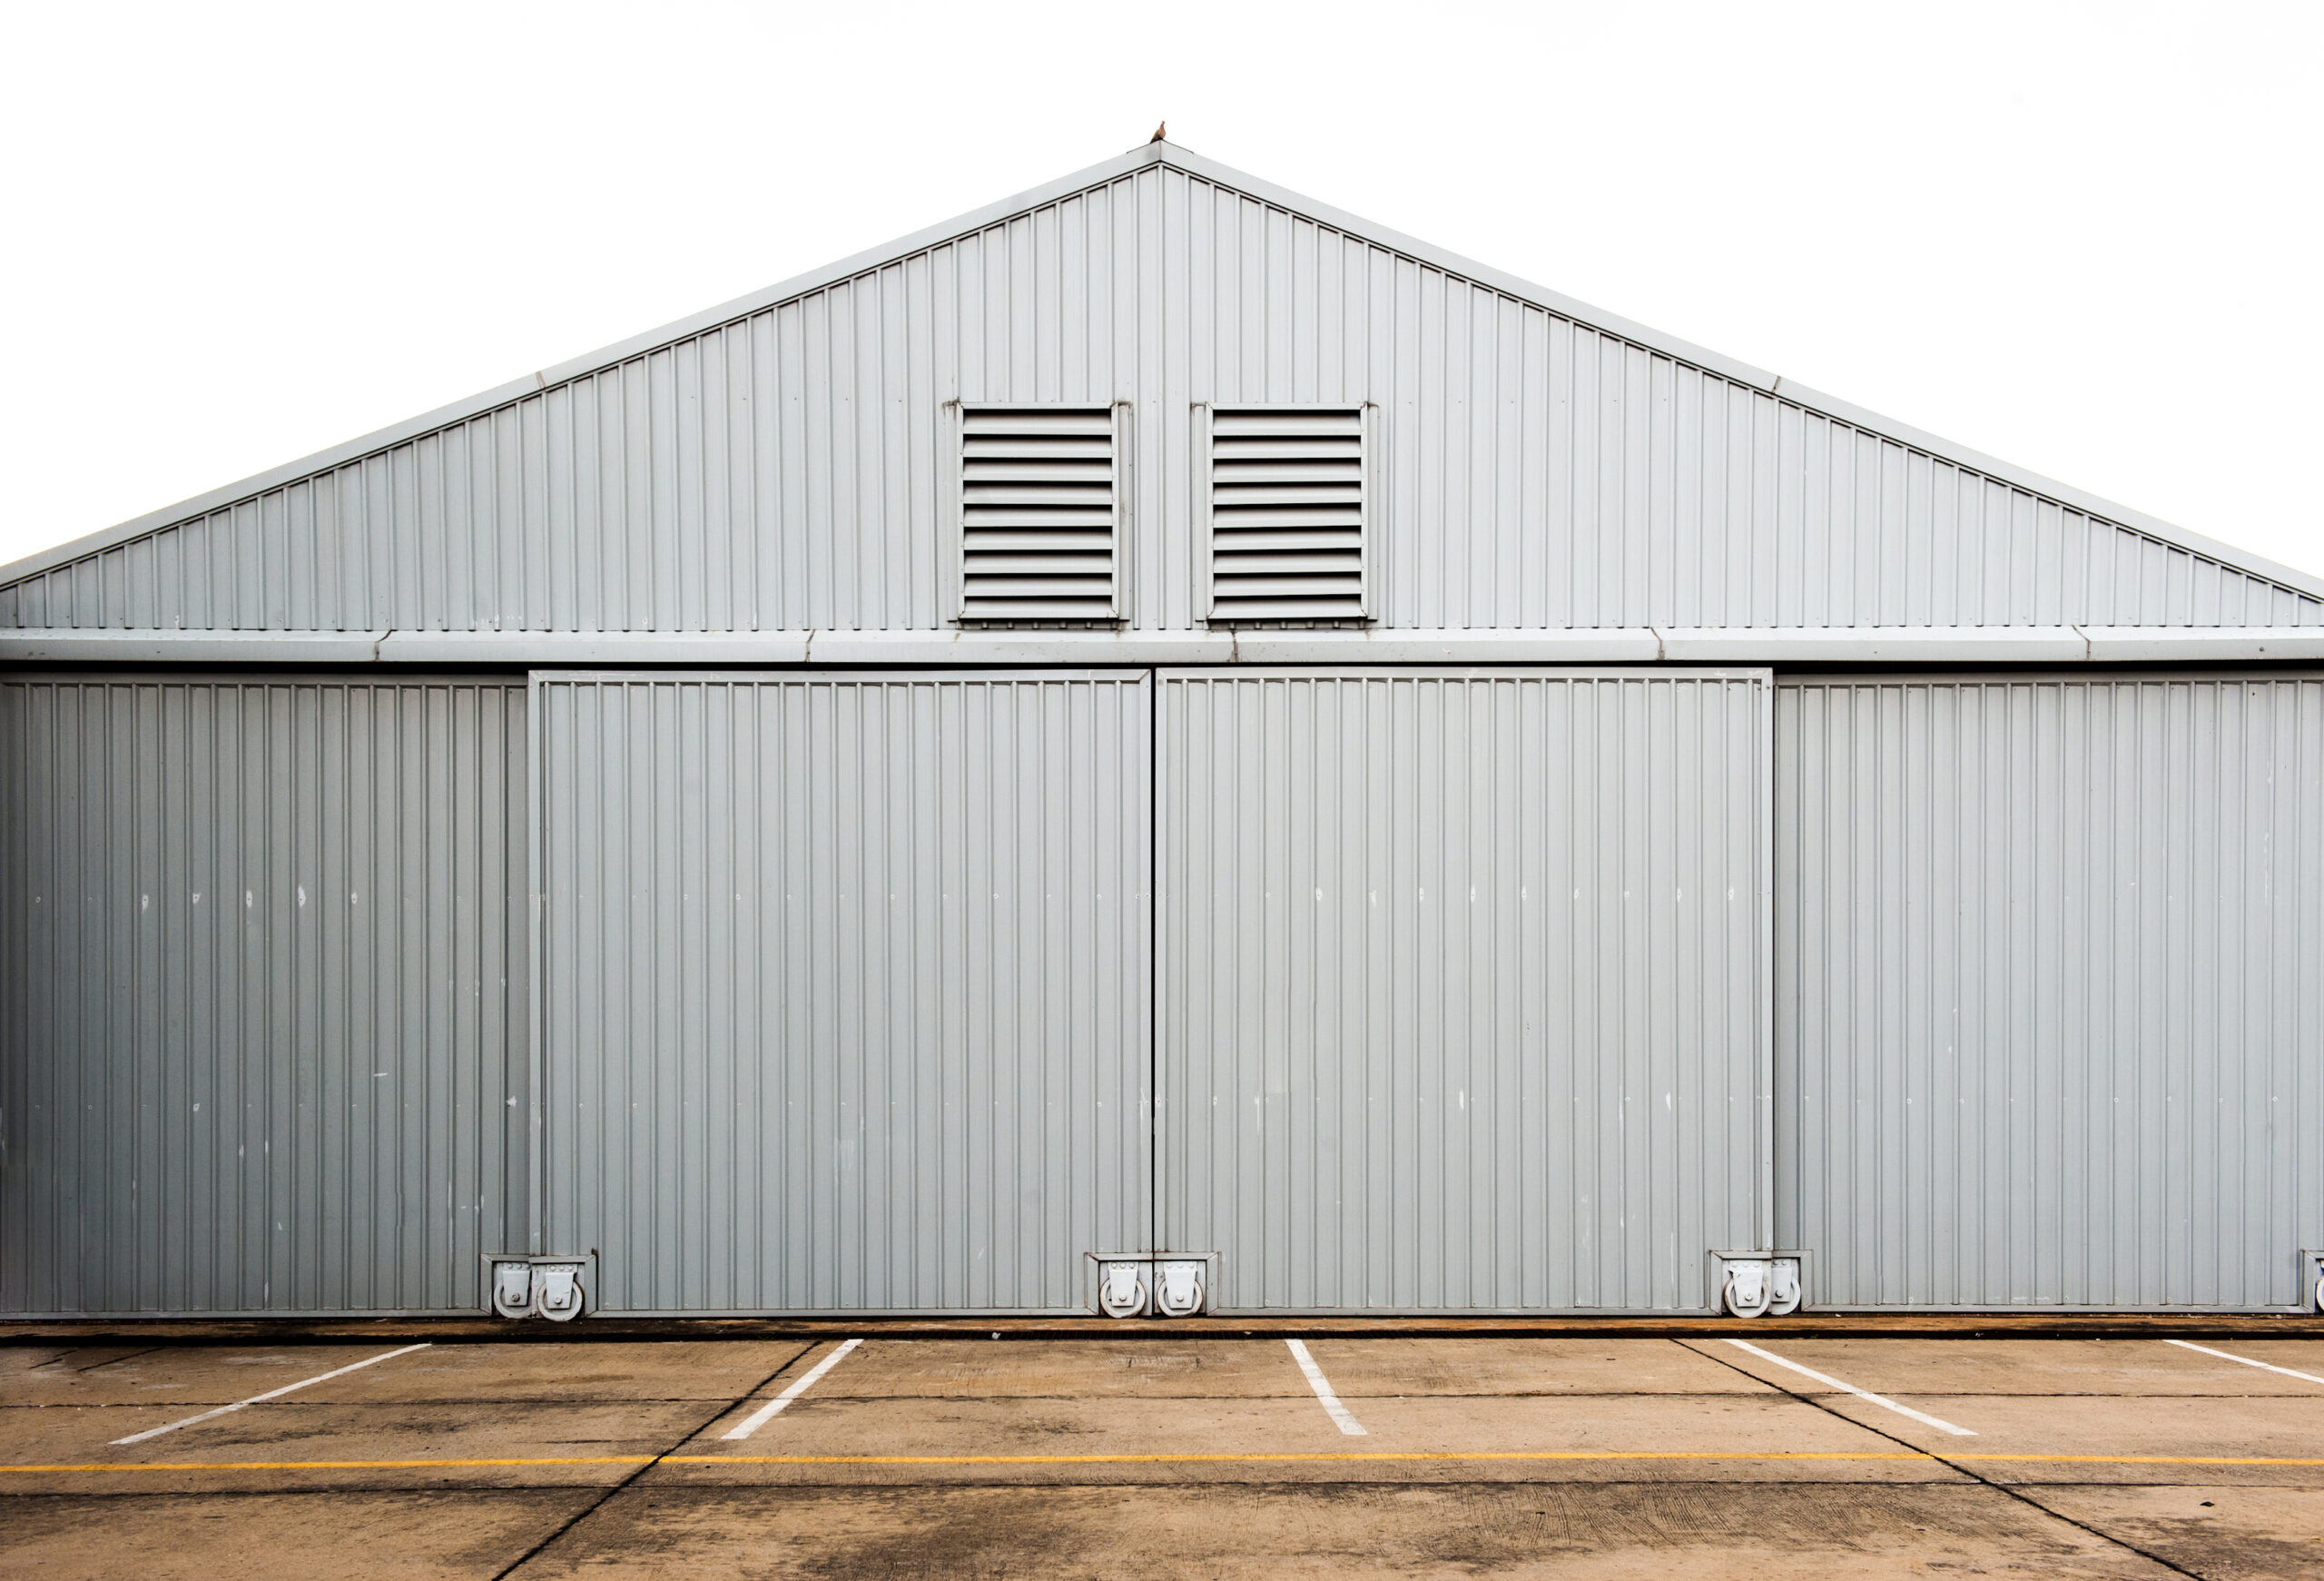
(1287, 515)
(1039, 514)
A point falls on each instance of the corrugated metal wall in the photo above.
(848, 986)
(1461, 1002)
(786, 470)
(262, 993)
(2051, 989)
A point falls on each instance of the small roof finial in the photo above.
(1158, 130)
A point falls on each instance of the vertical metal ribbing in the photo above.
(2041, 988)
(1458, 996)
(936, 1060)
(263, 1046)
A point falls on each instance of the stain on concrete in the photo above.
(2231, 1533)
(1633, 1530)
(456, 1535)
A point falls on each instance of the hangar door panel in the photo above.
(1462, 1001)
(2051, 989)
(262, 1007)
(845, 987)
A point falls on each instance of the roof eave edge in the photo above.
(1726, 366)
(2231, 555)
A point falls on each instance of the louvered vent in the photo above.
(1039, 512)
(1287, 514)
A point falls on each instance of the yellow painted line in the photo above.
(1422, 1455)
(1414, 1457)
(2156, 1459)
(332, 1465)
(1471, 1455)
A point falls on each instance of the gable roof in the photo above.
(2283, 578)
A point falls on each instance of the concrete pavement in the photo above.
(1155, 1450)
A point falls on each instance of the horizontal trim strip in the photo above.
(2063, 645)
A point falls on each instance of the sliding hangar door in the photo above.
(1434, 992)
(1461, 999)
(262, 992)
(854, 998)
(1397, 991)
(2050, 989)
(847, 979)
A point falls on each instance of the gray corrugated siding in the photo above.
(850, 995)
(1460, 1001)
(2051, 989)
(262, 989)
(788, 471)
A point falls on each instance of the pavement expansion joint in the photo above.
(1414, 1457)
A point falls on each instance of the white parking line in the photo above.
(273, 1393)
(2264, 1366)
(1883, 1401)
(773, 1407)
(1322, 1387)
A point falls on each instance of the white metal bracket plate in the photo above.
(512, 1287)
(1754, 1284)
(518, 1285)
(1181, 1287)
(1139, 1284)
(1125, 1288)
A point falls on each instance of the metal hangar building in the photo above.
(1157, 748)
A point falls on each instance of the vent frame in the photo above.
(1352, 608)
(967, 607)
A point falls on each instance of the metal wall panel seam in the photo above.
(1157, 789)
(1763, 974)
(537, 1161)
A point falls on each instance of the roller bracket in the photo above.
(1756, 1284)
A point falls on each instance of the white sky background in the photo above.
(2081, 237)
